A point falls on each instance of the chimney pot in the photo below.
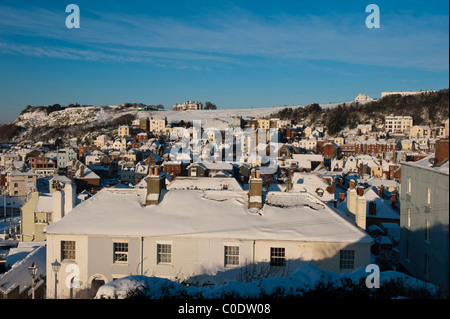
(360, 191)
(352, 184)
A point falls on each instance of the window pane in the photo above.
(164, 253)
(68, 250)
(231, 255)
(347, 259)
(120, 252)
(277, 256)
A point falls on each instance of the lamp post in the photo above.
(33, 271)
(56, 266)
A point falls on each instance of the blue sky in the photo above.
(234, 53)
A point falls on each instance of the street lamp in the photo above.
(56, 266)
(33, 271)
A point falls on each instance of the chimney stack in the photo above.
(58, 205)
(155, 183)
(255, 191)
(361, 211)
(70, 197)
(341, 196)
(441, 152)
(288, 184)
(82, 171)
(360, 191)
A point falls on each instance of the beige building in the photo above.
(398, 124)
(420, 131)
(157, 127)
(102, 140)
(42, 209)
(308, 131)
(124, 131)
(5, 159)
(188, 105)
(263, 123)
(20, 183)
(339, 141)
(122, 232)
(363, 98)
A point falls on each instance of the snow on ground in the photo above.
(218, 118)
(9, 223)
(303, 279)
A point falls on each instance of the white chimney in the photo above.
(58, 205)
(351, 198)
(361, 211)
(70, 197)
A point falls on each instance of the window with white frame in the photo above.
(277, 256)
(164, 253)
(67, 250)
(409, 185)
(120, 252)
(231, 255)
(347, 259)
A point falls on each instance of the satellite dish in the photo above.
(433, 161)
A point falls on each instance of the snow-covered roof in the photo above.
(426, 164)
(310, 182)
(382, 209)
(203, 214)
(383, 182)
(20, 259)
(205, 183)
(44, 204)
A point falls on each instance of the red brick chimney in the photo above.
(341, 196)
(360, 191)
(441, 152)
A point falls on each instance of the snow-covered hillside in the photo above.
(37, 117)
(37, 123)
